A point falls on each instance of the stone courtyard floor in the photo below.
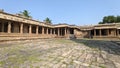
(59, 53)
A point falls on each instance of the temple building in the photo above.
(17, 27)
(106, 31)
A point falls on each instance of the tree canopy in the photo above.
(48, 21)
(110, 19)
(26, 14)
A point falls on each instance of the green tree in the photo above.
(118, 19)
(26, 14)
(100, 23)
(109, 19)
(105, 19)
(48, 21)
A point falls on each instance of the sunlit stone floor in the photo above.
(59, 53)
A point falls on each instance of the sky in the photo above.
(74, 12)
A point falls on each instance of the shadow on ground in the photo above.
(112, 47)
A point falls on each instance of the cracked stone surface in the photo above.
(60, 53)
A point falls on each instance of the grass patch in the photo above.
(101, 66)
(33, 58)
(64, 41)
(1, 63)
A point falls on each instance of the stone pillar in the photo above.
(65, 31)
(108, 32)
(58, 32)
(42, 30)
(50, 31)
(68, 31)
(9, 27)
(61, 31)
(117, 32)
(100, 32)
(37, 29)
(46, 30)
(94, 32)
(89, 33)
(54, 30)
(2, 27)
(30, 28)
(21, 28)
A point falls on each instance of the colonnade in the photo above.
(106, 32)
(33, 29)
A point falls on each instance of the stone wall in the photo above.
(78, 33)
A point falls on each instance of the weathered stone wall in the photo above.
(112, 32)
(85, 34)
(82, 34)
(78, 33)
(18, 36)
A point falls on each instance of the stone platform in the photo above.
(59, 53)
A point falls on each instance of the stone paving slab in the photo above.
(59, 53)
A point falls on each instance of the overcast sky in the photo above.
(78, 12)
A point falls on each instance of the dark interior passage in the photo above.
(71, 30)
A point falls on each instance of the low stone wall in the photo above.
(18, 36)
(107, 37)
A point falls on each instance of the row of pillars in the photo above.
(30, 29)
(116, 32)
(9, 28)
